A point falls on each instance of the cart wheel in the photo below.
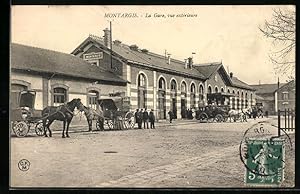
(21, 129)
(129, 120)
(39, 129)
(203, 117)
(219, 118)
(110, 124)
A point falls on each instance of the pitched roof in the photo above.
(148, 58)
(266, 88)
(207, 69)
(47, 61)
(238, 83)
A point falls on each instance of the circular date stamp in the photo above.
(24, 165)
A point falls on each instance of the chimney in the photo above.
(117, 42)
(169, 59)
(185, 63)
(231, 75)
(106, 37)
(190, 62)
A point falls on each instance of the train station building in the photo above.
(142, 78)
(162, 83)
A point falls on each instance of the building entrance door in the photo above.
(174, 109)
(183, 108)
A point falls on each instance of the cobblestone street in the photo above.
(184, 154)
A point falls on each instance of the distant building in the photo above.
(285, 96)
(275, 96)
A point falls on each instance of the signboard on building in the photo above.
(93, 56)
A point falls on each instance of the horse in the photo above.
(62, 113)
(237, 114)
(91, 115)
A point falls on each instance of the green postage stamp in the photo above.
(265, 162)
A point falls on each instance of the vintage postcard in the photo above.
(152, 96)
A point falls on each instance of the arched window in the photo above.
(216, 89)
(238, 100)
(161, 84)
(59, 95)
(222, 90)
(201, 96)
(228, 91)
(251, 100)
(173, 85)
(161, 98)
(233, 100)
(193, 95)
(173, 107)
(93, 96)
(142, 91)
(246, 100)
(183, 87)
(209, 90)
(242, 100)
(142, 80)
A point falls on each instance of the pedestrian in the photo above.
(170, 115)
(151, 119)
(146, 118)
(140, 118)
(136, 115)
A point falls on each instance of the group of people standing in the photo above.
(142, 116)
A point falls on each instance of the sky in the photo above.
(227, 34)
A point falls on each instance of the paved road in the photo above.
(187, 155)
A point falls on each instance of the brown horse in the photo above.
(62, 113)
(91, 115)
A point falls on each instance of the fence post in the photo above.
(279, 123)
(288, 119)
(285, 119)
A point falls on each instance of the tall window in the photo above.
(142, 91)
(193, 95)
(92, 99)
(228, 91)
(209, 90)
(285, 95)
(60, 95)
(173, 85)
(161, 98)
(233, 100)
(216, 90)
(238, 100)
(246, 100)
(251, 100)
(142, 80)
(201, 92)
(222, 90)
(242, 100)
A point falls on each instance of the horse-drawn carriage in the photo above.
(116, 113)
(25, 116)
(213, 113)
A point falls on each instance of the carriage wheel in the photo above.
(110, 124)
(219, 118)
(203, 117)
(39, 129)
(129, 120)
(21, 129)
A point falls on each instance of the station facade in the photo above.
(162, 83)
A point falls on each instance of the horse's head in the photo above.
(76, 102)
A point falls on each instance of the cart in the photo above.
(117, 114)
(25, 116)
(213, 113)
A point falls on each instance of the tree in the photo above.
(281, 28)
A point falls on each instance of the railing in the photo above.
(286, 120)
